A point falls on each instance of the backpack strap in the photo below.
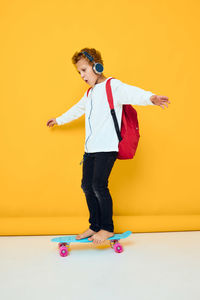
(88, 91)
(112, 110)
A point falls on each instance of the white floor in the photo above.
(157, 266)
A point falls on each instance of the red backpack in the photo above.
(129, 135)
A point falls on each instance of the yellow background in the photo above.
(150, 44)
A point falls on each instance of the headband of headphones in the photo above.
(97, 67)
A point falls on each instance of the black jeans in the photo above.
(96, 170)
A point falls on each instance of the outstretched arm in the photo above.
(129, 94)
(73, 113)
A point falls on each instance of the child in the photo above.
(101, 141)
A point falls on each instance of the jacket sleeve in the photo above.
(74, 112)
(129, 94)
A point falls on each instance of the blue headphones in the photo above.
(97, 67)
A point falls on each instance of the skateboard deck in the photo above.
(64, 242)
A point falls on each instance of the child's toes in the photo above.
(90, 239)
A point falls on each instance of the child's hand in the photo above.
(52, 122)
(159, 100)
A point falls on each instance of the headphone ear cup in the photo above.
(98, 68)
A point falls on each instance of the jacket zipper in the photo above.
(89, 124)
(90, 128)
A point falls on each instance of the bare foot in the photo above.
(99, 237)
(85, 234)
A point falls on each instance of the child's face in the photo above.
(86, 71)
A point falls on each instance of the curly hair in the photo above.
(91, 51)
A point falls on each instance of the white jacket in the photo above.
(100, 133)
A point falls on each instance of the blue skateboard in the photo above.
(64, 242)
